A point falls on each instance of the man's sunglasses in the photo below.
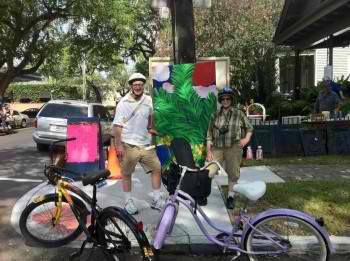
(137, 84)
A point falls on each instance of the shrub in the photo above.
(345, 84)
(345, 107)
(281, 106)
(35, 91)
(310, 94)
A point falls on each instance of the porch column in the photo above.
(297, 75)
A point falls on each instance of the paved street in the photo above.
(21, 170)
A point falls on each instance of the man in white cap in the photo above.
(133, 135)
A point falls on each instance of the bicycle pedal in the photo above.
(222, 236)
(238, 254)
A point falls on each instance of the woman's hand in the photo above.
(243, 142)
(209, 154)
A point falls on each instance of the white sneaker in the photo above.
(157, 204)
(130, 207)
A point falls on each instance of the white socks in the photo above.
(156, 194)
(127, 196)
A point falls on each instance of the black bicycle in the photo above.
(53, 220)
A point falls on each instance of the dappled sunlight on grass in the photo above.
(327, 199)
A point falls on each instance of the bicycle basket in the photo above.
(195, 183)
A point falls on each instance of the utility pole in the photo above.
(83, 67)
(297, 75)
(182, 20)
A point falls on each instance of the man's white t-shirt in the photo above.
(134, 130)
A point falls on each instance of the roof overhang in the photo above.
(341, 40)
(323, 20)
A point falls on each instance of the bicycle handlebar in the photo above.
(62, 140)
(57, 173)
(54, 143)
(185, 168)
(87, 178)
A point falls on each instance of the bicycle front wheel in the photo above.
(123, 238)
(291, 238)
(37, 222)
(164, 227)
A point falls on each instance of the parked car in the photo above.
(51, 120)
(31, 112)
(17, 119)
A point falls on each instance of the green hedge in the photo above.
(35, 91)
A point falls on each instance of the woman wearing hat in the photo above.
(229, 131)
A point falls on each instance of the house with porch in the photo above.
(319, 33)
(313, 64)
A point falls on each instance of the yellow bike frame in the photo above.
(62, 185)
(61, 192)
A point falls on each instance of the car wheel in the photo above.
(24, 124)
(42, 147)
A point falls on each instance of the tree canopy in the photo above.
(242, 30)
(66, 32)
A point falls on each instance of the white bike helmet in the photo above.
(136, 77)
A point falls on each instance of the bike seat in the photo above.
(252, 190)
(90, 178)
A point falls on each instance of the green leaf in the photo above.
(183, 114)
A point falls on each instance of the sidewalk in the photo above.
(185, 230)
(186, 234)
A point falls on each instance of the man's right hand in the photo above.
(120, 151)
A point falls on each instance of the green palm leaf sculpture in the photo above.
(183, 113)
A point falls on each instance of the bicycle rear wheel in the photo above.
(122, 237)
(300, 240)
(37, 222)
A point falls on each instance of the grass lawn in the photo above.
(327, 199)
(301, 160)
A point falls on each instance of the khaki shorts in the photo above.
(138, 154)
(232, 157)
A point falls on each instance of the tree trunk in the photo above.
(96, 91)
(184, 38)
(297, 75)
(5, 79)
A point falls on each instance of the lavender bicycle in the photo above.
(282, 233)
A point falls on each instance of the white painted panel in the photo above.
(320, 63)
(222, 67)
(341, 62)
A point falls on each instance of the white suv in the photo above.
(51, 120)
